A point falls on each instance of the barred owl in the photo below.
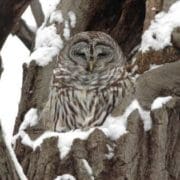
(88, 82)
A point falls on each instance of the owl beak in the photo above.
(91, 66)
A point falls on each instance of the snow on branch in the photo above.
(159, 102)
(158, 35)
(49, 42)
(113, 128)
(65, 177)
(30, 119)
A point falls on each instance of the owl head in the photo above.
(90, 57)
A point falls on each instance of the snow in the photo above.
(114, 127)
(48, 44)
(154, 66)
(110, 152)
(66, 140)
(72, 17)
(14, 54)
(158, 35)
(67, 31)
(56, 16)
(30, 119)
(18, 167)
(64, 143)
(65, 177)
(29, 19)
(146, 117)
(159, 102)
(88, 168)
(49, 6)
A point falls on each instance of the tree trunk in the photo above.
(136, 155)
(7, 168)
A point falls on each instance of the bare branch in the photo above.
(10, 12)
(37, 12)
(24, 33)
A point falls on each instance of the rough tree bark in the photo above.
(138, 155)
(7, 168)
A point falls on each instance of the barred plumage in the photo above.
(87, 83)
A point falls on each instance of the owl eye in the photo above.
(80, 54)
(104, 52)
(103, 55)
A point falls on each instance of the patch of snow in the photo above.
(67, 31)
(110, 152)
(72, 17)
(153, 9)
(29, 19)
(158, 35)
(158, 102)
(66, 140)
(154, 66)
(30, 119)
(56, 16)
(65, 177)
(14, 54)
(48, 44)
(146, 117)
(114, 127)
(88, 168)
(49, 6)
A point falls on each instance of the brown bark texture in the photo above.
(138, 154)
(10, 12)
(7, 168)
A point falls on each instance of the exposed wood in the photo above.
(10, 12)
(37, 12)
(24, 33)
(7, 168)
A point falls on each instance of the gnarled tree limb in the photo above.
(10, 12)
(25, 34)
